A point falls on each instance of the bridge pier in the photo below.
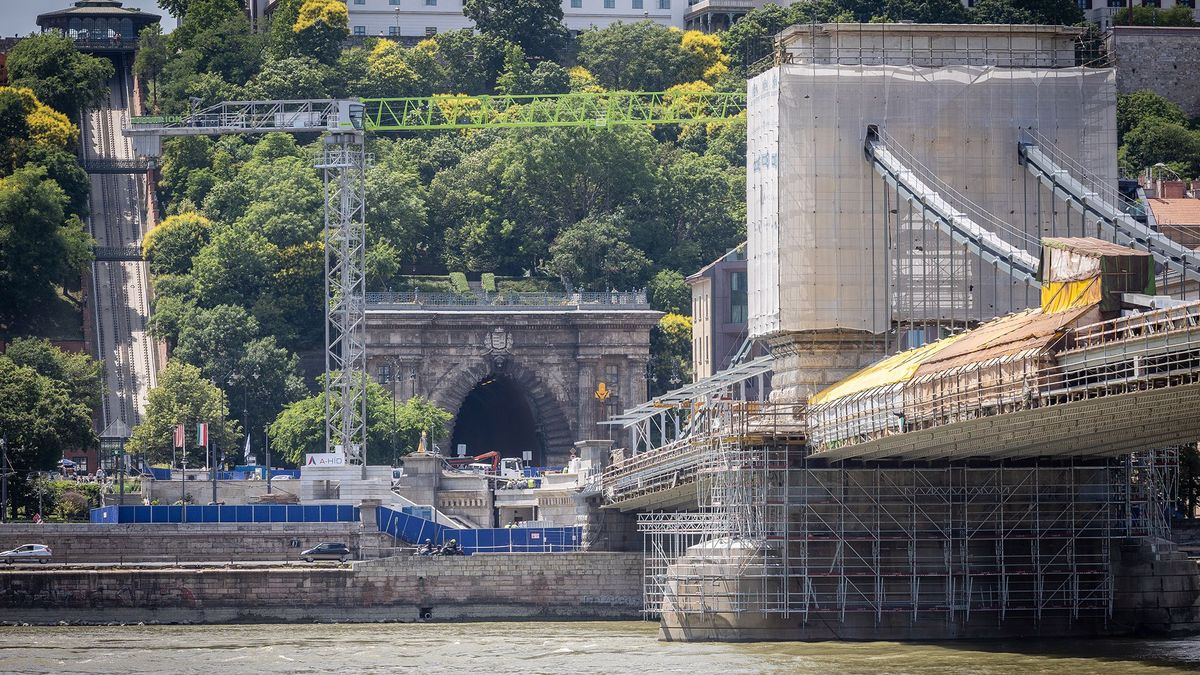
(808, 361)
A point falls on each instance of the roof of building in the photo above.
(98, 8)
(737, 253)
(1175, 211)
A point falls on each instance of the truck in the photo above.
(503, 467)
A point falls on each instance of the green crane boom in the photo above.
(549, 110)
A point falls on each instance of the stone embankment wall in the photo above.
(87, 542)
(478, 587)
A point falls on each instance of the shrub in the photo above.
(72, 506)
(488, 281)
(459, 281)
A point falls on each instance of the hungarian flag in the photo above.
(179, 436)
(202, 434)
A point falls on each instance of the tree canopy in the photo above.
(58, 74)
(183, 396)
(535, 25)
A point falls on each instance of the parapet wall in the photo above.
(88, 542)
(482, 586)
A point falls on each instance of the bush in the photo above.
(72, 506)
(488, 281)
(458, 281)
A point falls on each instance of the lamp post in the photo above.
(112, 442)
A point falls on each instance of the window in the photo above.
(431, 3)
(393, 2)
(430, 31)
(360, 30)
(610, 4)
(385, 374)
(637, 4)
(612, 377)
(393, 30)
(81, 464)
(576, 4)
(737, 297)
(360, 2)
(664, 4)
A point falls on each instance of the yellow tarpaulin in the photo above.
(898, 368)
(1060, 296)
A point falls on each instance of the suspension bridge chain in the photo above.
(343, 165)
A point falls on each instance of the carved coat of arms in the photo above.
(499, 340)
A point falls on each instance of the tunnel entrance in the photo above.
(498, 415)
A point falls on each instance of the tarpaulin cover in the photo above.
(898, 368)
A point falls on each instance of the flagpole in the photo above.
(183, 479)
(213, 460)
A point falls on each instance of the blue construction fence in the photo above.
(413, 529)
(235, 513)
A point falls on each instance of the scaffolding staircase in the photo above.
(1099, 202)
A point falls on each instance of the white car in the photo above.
(27, 553)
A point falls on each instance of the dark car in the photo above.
(327, 551)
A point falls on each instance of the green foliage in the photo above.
(535, 25)
(1155, 140)
(71, 506)
(183, 396)
(300, 428)
(669, 292)
(670, 353)
(39, 417)
(152, 56)
(638, 56)
(1179, 15)
(1140, 106)
(296, 77)
(78, 373)
(458, 281)
(59, 75)
(320, 27)
(40, 245)
(488, 282)
(593, 254)
(171, 245)
(1050, 12)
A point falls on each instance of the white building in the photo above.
(421, 18)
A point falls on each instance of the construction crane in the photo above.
(343, 164)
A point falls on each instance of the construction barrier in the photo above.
(416, 530)
(237, 513)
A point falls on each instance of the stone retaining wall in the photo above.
(87, 542)
(482, 586)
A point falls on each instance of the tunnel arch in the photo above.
(466, 389)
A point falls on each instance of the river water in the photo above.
(529, 647)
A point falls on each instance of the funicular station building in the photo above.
(981, 367)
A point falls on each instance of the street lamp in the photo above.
(112, 443)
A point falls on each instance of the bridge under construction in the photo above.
(982, 365)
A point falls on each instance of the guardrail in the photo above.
(485, 300)
(114, 166)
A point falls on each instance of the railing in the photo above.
(681, 462)
(1147, 351)
(117, 253)
(501, 301)
(114, 166)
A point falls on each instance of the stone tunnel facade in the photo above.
(552, 361)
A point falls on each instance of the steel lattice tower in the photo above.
(343, 166)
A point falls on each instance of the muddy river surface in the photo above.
(530, 647)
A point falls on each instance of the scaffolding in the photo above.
(783, 535)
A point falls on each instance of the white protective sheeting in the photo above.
(829, 249)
